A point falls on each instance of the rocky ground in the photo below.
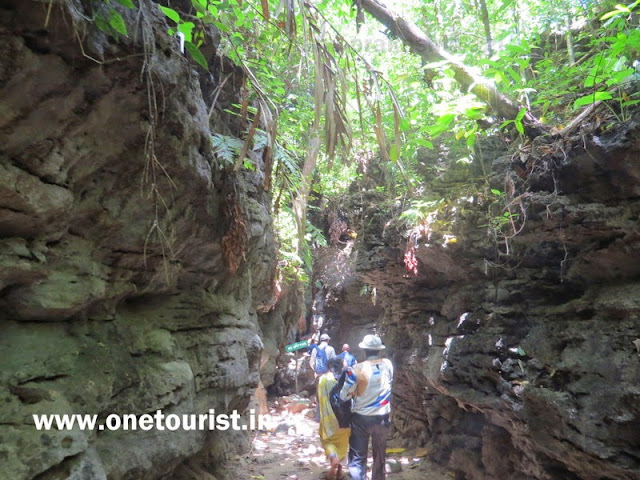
(292, 451)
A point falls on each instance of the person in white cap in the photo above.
(369, 385)
(321, 355)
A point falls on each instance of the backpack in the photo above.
(321, 360)
(349, 359)
(341, 408)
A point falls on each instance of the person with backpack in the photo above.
(321, 355)
(369, 385)
(334, 417)
(348, 358)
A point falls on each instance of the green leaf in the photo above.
(442, 125)
(471, 140)
(222, 27)
(393, 153)
(515, 76)
(446, 120)
(618, 9)
(404, 124)
(505, 5)
(102, 24)
(208, 19)
(117, 23)
(126, 3)
(421, 142)
(200, 6)
(505, 123)
(593, 98)
(186, 28)
(171, 13)
(590, 81)
(475, 113)
(608, 15)
(196, 54)
(248, 164)
(519, 128)
(240, 20)
(495, 191)
(619, 77)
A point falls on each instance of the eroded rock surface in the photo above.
(118, 294)
(521, 363)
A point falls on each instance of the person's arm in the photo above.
(348, 390)
(312, 360)
(331, 353)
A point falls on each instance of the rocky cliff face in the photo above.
(133, 269)
(515, 353)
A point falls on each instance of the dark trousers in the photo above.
(363, 427)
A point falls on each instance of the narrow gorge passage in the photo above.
(189, 187)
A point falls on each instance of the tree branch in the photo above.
(422, 45)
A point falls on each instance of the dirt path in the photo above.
(292, 451)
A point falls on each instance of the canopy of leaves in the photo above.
(380, 105)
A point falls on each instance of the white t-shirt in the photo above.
(369, 384)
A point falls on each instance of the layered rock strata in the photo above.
(133, 266)
(516, 343)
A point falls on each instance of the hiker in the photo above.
(335, 440)
(313, 344)
(348, 358)
(369, 385)
(321, 355)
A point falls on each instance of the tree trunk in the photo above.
(302, 196)
(572, 55)
(422, 45)
(484, 13)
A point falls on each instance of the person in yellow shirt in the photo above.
(335, 440)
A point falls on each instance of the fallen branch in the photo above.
(579, 119)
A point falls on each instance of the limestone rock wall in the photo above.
(521, 364)
(133, 269)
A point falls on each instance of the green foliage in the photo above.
(517, 122)
(226, 148)
(420, 212)
(110, 21)
(193, 34)
(292, 265)
(410, 122)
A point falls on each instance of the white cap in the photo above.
(371, 342)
